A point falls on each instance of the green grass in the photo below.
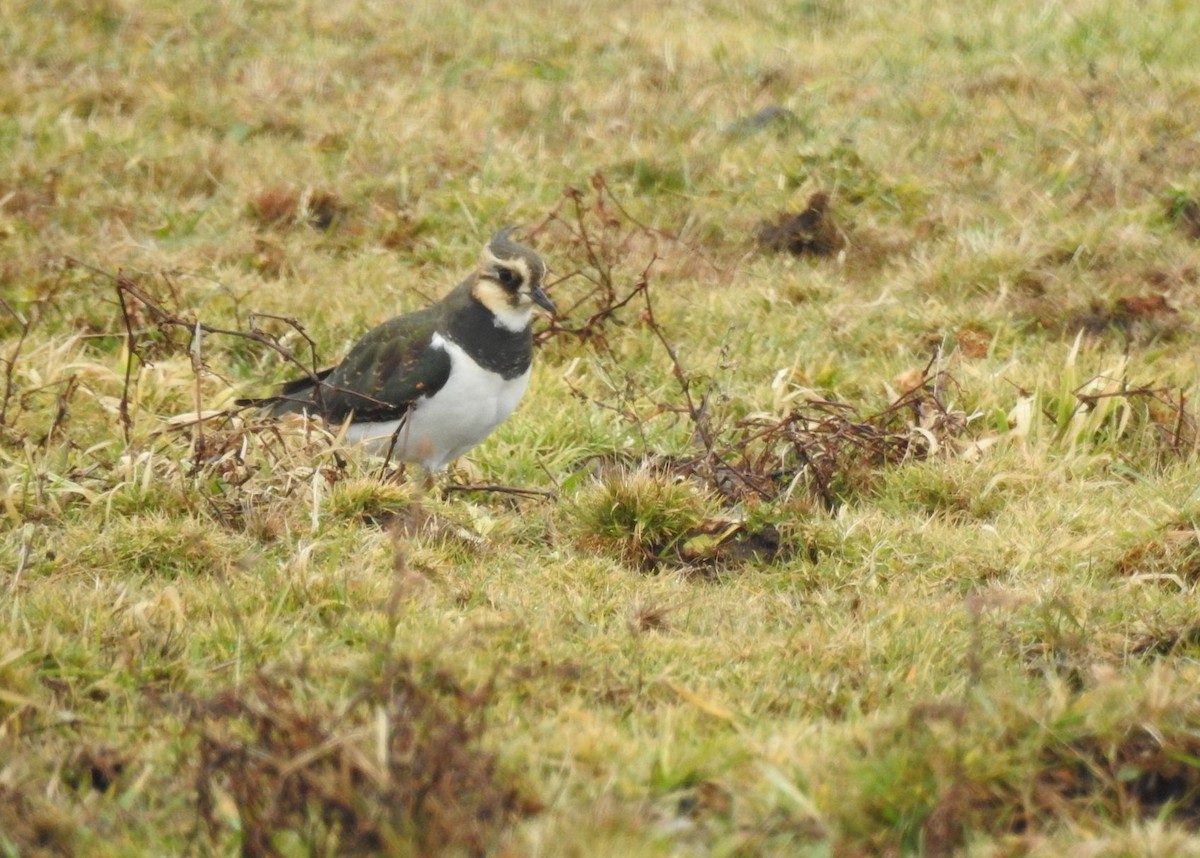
(898, 555)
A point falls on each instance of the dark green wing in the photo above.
(387, 370)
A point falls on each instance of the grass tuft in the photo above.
(646, 519)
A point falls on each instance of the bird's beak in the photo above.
(543, 300)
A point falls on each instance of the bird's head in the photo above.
(509, 281)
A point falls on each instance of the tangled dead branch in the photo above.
(398, 769)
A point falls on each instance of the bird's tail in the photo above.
(292, 397)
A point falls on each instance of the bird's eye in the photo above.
(507, 277)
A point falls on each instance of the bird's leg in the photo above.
(387, 460)
(401, 426)
(397, 476)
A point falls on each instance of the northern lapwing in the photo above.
(428, 386)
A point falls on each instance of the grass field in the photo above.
(859, 529)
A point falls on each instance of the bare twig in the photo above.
(197, 359)
(10, 362)
(61, 411)
(603, 230)
(697, 413)
(130, 353)
(502, 490)
(166, 319)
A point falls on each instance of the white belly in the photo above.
(438, 430)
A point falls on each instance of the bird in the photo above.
(428, 386)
